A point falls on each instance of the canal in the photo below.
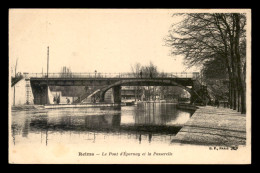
(144, 123)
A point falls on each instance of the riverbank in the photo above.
(185, 106)
(86, 105)
(60, 106)
(90, 105)
(213, 126)
(26, 107)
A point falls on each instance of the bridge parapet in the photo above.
(192, 75)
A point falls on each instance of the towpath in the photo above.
(214, 126)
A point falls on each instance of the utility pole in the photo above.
(47, 74)
(93, 86)
(47, 61)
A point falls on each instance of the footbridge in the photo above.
(105, 81)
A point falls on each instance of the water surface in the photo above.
(145, 123)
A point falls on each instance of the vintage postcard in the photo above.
(129, 86)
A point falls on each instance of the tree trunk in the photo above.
(240, 74)
(238, 100)
(135, 93)
(154, 97)
(149, 93)
(234, 99)
(230, 93)
(230, 98)
(243, 102)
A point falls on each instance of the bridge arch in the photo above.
(143, 82)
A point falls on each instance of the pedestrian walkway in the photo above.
(214, 126)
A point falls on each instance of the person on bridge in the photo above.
(54, 99)
(58, 99)
(141, 73)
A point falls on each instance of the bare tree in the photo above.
(204, 37)
(136, 69)
(65, 72)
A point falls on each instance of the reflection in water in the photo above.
(151, 122)
(25, 128)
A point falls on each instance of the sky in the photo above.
(87, 40)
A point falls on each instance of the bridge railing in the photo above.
(193, 75)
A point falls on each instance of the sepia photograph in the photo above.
(129, 86)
